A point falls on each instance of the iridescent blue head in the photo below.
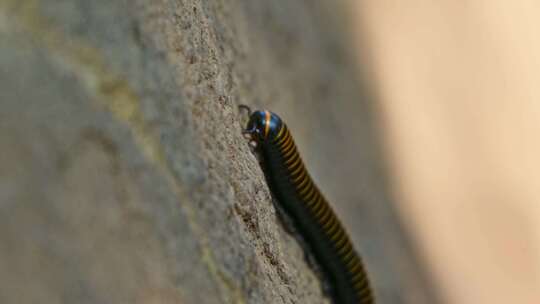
(263, 126)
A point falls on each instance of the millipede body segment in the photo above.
(313, 217)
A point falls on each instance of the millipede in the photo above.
(309, 211)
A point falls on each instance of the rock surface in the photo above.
(124, 177)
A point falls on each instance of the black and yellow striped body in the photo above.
(312, 215)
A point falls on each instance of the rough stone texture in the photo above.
(123, 174)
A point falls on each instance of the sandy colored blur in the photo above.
(458, 85)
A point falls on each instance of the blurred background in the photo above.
(458, 102)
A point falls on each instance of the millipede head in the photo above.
(263, 126)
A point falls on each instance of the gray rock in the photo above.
(124, 177)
